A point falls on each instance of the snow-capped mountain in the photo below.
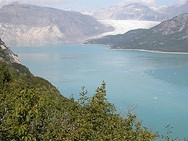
(137, 11)
(105, 13)
(133, 11)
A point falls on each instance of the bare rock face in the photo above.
(177, 26)
(22, 24)
(6, 54)
(28, 35)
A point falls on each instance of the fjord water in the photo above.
(153, 85)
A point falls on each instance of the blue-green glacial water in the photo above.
(153, 85)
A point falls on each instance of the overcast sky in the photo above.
(91, 5)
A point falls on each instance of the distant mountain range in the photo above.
(133, 11)
(136, 11)
(22, 24)
(169, 36)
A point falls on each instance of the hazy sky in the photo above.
(91, 5)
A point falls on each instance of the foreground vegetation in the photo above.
(31, 109)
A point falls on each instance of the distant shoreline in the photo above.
(152, 51)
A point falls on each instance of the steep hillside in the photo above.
(169, 36)
(22, 24)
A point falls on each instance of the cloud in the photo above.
(181, 1)
(36, 2)
(155, 2)
(147, 2)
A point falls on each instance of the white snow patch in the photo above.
(122, 26)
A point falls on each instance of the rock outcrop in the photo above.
(6, 55)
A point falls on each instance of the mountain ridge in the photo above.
(139, 11)
(23, 24)
(169, 36)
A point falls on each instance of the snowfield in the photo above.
(122, 26)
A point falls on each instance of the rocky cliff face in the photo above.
(33, 25)
(29, 35)
(6, 55)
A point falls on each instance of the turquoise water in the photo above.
(154, 86)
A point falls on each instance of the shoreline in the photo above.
(153, 51)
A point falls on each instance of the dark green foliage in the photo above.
(31, 109)
(5, 75)
(21, 69)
